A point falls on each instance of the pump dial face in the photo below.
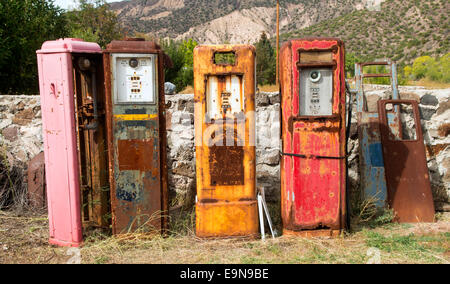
(135, 78)
(316, 92)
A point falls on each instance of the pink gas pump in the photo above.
(72, 95)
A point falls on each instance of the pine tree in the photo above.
(265, 61)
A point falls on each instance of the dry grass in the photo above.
(24, 240)
(13, 193)
(427, 83)
(187, 90)
(269, 88)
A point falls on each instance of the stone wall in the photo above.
(20, 129)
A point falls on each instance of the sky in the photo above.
(72, 3)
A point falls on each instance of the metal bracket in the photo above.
(262, 206)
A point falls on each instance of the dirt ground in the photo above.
(23, 239)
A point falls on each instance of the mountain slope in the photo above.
(234, 21)
(402, 30)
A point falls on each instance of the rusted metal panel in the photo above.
(137, 139)
(227, 219)
(313, 179)
(225, 141)
(226, 165)
(36, 181)
(91, 139)
(373, 180)
(134, 155)
(407, 176)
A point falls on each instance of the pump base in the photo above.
(64, 244)
(221, 220)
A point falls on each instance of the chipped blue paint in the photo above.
(129, 186)
(373, 178)
(376, 155)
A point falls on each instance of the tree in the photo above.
(25, 25)
(182, 55)
(265, 61)
(94, 21)
(407, 72)
(421, 66)
(377, 69)
(350, 60)
(445, 67)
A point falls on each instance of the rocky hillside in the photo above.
(233, 21)
(402, 30)
(372, 29)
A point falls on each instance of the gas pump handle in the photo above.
(53, 89)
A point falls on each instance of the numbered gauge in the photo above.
(316, 92)
(135, 79)
(315, 76)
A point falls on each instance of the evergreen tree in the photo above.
(265, 61)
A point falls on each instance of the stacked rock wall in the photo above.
(21, 137)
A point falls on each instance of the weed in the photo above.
(252, 260)
(182, 223)
(275, 249)
(423, 248)
(384, 216)
(13, 193)
(101, 260)
(366, 211)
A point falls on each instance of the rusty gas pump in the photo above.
(224, 79)
(73, 114)
(313, 164)
(136, 124)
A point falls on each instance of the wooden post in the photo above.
(278, 41)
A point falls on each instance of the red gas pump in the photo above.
(313, 164)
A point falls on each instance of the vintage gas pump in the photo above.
(313, 164)
(136, 123)
(73, 115)
(224, 79)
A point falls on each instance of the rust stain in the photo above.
(407, 179)
(135, 155)
(434, 150)
(226, 165)
(227, 219)
(36, 181)
(89, 104)
(226, 174)
(444, 130)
